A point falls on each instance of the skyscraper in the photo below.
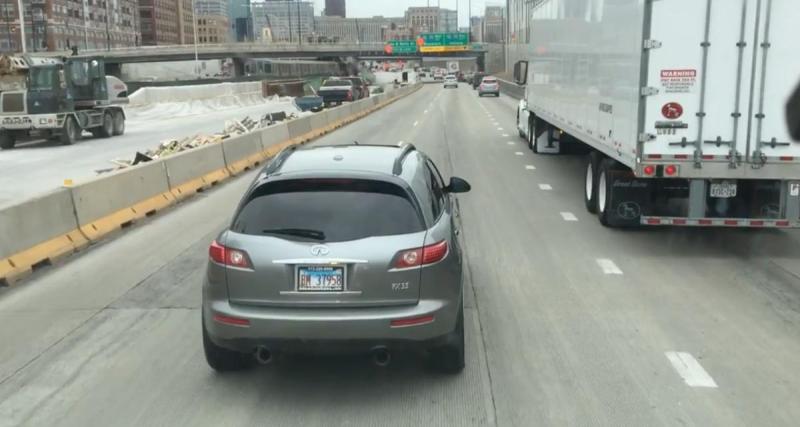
(335, 8)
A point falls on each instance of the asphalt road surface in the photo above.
(568, 323)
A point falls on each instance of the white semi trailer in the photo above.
(679, 105)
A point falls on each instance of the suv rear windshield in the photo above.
(488, 80)
(341, 209)
(330, 83)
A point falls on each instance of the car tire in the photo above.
(223, 360)
(7, 141)
(449, 358)
(590, 188)
(70, 132)
(119, 123)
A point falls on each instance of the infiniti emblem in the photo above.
(320, 250)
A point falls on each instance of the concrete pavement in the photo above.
(568, 323)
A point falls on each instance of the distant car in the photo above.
(489, 86)
(336, 91)
(361, 87)
(450, 81)
(345, 248)
(476, 79)
(375, 90)
(310, 101)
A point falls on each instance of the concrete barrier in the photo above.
(511, 89)
(299, 128)
(191, 171)
(274, 139)
(321, 121)
(106, 204)
(36, 232)
(243, 152)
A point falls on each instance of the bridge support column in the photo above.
(238, 67)
(481, 61)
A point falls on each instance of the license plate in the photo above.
(723, 190)
(320, 279)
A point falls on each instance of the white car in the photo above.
(450, 81)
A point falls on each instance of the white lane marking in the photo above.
(416, 123)
(505, 135)
(608, 266)
(426, 111)
(545, 187)
(690, 370)
(568, 216)
(530, 167)
(499, 128)
(518, 153)
(510, 143)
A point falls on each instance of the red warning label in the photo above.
(678, 81)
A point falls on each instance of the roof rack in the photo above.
(277, 162)
(397, 169)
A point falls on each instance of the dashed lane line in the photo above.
(569, 216)
(690, 370)
(608, 266)
(545, 187)
(530, 167)
(518, 153)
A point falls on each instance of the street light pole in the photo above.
(299, 28)
(289, 19)
(21, 26)
(194, 26)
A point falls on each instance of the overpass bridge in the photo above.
(114, 58)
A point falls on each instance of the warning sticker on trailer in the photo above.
(678, 81)
(794, 189)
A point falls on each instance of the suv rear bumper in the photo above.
(353, 328)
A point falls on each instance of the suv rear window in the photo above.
(489, 80)
(342, 209)
(330, 83)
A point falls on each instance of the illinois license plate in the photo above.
(723, 190)
(320, 279)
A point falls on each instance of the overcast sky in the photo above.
(369, 8)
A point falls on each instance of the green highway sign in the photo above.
(443, 42)
(401, 47)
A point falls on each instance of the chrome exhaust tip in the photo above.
(381, 356)
(263, 355)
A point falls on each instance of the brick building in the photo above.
(165, 22)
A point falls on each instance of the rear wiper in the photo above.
(299, 232)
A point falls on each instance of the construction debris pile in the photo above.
(171, 146)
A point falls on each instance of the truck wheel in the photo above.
(533, 144)
(107, 129)
(71, 132)
(590, 192)
(7, 141)
(119, 123)
(603, 193)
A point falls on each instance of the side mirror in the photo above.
(521, 72)
(457, 185)
(793, 114)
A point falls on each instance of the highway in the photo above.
(567, 322)
(39, 166)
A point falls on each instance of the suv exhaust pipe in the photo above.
(263, 355)
(381, 356)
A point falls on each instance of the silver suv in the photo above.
(348, 248)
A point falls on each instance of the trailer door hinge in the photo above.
(646, 137)
(652, 44)
(649, 91)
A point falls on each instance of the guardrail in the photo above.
(42, 230)
(511, 89)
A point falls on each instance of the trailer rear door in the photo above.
(723, 72)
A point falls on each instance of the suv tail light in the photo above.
(421, 256)
(228, 257)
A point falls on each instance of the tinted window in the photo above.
(437, 187)
(488, 80)
(336, 83)
(342, 209)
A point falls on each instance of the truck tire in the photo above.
(622, 199)
(590, 190)
(119, 123)
(7, 141)
(71, 132)
(604, 192)
(533, 144)
(106, 129)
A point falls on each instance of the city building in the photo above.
(358, 30)
(165, 22)
(476, 29)
(212, 21)
(448, 21)
(494, 24)
(423, 19)
(240, 20)
(53, 25)
(335, 8)
(287, 21)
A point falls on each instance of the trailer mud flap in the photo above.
(629, 199)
